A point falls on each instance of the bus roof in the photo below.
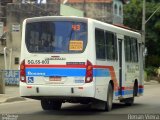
(124, 31)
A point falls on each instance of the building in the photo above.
(16, 13)
(3, 22)
(12, 14)
(110, 11)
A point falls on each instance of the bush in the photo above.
(146, 77)
(152, 60)
(151, 73)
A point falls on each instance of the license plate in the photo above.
(54, 79)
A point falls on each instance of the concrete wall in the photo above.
(1, 61)
(15, 49)
(16, 13)
(99, 11)
(118, 13)
(102, 10)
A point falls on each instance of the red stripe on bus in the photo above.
(100, 66)
(112, 73)
(141, 86)
(29, 86)
(127, 88)
(131, 88)
(55, 66)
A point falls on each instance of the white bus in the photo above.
(79, 60)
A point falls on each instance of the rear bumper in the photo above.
(57, 92)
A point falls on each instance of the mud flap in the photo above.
(99, 105)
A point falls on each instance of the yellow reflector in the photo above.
(89, 68)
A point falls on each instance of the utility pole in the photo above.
(84, 7)
(144, 22)
(0, 10)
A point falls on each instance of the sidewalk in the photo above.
(151, 82)
(11, 95)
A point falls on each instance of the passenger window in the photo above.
(100, 44)
(131, 49)
(111, 46)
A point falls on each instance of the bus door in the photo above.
(120, 49)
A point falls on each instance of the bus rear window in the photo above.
(56, 37)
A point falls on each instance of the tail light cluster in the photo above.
(22, 72)
(89, 72)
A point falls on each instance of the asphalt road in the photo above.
(149, 104)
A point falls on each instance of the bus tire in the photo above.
(109, 102)
(50, 104)
(57, 105)
(46, 104)
(130, 101)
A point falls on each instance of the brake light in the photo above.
(89, 72)
(22, 72)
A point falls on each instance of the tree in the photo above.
(132, 14)
(133, 18)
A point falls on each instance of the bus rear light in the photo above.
(22, 72)
(89, 72)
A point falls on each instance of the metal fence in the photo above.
(11, 77)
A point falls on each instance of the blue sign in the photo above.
(30, 79)
(11, 77)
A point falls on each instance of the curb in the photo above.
(12, 99)
(152, 82)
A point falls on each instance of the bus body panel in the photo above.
(130, 71)
(107, 68)
(63, 75)
(31, 91)
(56, 72)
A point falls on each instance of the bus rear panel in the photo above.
(54, 62)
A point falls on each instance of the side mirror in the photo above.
(145, 52)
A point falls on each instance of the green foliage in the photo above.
(133, 19)
(155, 1)
(153, 60)
(132, 14)
(157, 26)
(151, 71)
(145, 76)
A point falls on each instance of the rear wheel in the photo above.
(109, 102)
(50, 104)
(130, 101)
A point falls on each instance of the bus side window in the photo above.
(100, 44)
(127, 48)
(111, 45)
(131, 49)
(135, 49)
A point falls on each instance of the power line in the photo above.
(152, 15)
